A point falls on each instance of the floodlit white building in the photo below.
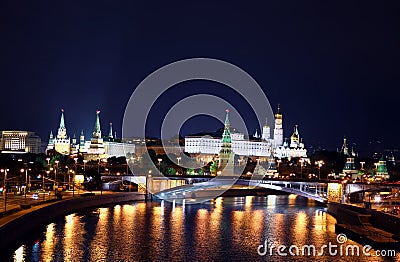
(97, 147)
(207, 145)
(19, 142)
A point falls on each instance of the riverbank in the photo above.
(367, 226)
(16, 225)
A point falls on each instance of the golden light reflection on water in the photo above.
(19, 254)
(202, 232)
(48, 245)
(177, 234)
(271, 201)
(247, 226)
(157, 228)
(292, 199)
(300, 227)
(73, 237)
(278, 224)
(98, 250)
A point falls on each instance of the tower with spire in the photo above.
(226, 154)
(50, 145)
(62, 141)
(345, 149)
(278, 130)
(110, 133)
(266, 131)
(82, 146)
(96, 142)
(295, 138)
(381, 170)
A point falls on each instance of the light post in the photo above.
(44, 195)
(320, 163)
(159, 164)
(179, 159)
(279, 163)
(67, 173)
(149, 175)
(84, 166)
(26, 179)
(55, 176)
(73, 178)
(4, 187)
(301, 167)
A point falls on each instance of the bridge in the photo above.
(202, 187)
(192, 187)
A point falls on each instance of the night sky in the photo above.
(333, 67)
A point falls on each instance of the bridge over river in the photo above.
(179, 187)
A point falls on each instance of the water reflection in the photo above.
(221, 229)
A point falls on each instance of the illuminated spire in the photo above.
(110, 134)
(51, 138)
(226, 154)
(62, 131)
(226, 136)
(82, 140)
(97, 129)
(345, 149)
(62, 124)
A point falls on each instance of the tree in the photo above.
(170, 171)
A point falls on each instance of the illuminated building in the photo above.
(96, 147)
(278, 130)
(381, 170)
(96, 142)
(19, 142)
(225, 153)
(62, 142)
(349, 169)
(209, 146)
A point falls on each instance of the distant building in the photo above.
(61, 144)
(19, 142)
(97, 147)
(381, 170)
(262, 148)
(349, 169)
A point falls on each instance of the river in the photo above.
(224, 229)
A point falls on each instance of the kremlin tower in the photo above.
(62, 141)
(226, 154)
(278, 130)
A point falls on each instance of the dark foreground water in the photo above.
(225, 229)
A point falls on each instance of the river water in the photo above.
(224, 229)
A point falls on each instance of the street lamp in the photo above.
(149, 175)
(159, 164)
(301, 167)
(84, 166)
(55, 176)
(279, 163)
(320, 163)
(73, 178)
(26, 179)
(44, 195)
(4, 187)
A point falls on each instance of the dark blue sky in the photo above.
(333, 67)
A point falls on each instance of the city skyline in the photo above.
(333, 68)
